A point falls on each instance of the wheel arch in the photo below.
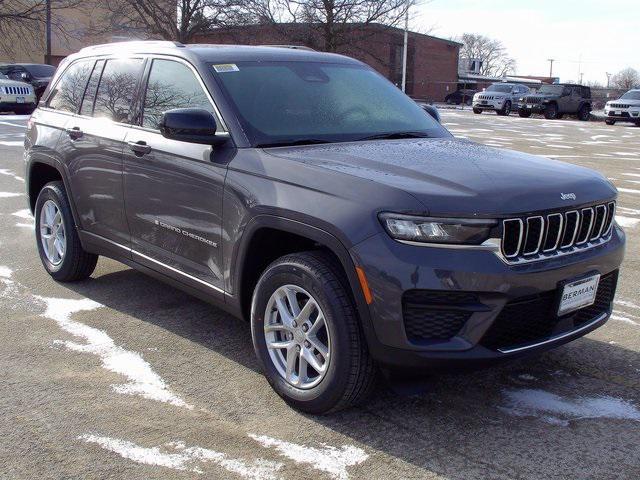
(39, 173)
(263, 241)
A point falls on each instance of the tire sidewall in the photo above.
(330, 389)
(51, 192)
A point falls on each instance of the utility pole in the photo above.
(551, 60)
(47, 58)
(581, 77)
(404, 50)
(608, 78)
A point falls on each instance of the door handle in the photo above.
(139, 148)
(74, 133)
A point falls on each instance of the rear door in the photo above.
(173, 190)
(93, 146)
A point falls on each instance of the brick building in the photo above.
(432, 63)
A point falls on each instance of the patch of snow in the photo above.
(11, 144)
(143, 380)
(177, 456)
(623, 318)
(628, 190)
(627, 222)
(9, 173)
(5, 272)
(560, 146)
(559, 410)
(9, 194)
(328, 459)
(627, 303)
(26, 214)
(632, 174)
(626, 154)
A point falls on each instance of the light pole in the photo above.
(608, 78)
(551, 60)
(404, 49)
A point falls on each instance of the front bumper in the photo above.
(10, 105)
(622, 115)
(533, 107)
(490, 105)
(393, 269)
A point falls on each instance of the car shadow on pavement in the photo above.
(569, 413)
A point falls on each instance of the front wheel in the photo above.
(551, 112)
(610, 122)
(477, 111)
(59, 246)
(524, 113)
(307, 336)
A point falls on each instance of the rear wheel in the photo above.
(477, 111)
(584, 113)
(307, 337)
(524, 113)
(551, 112)
(611, 122)
(59, 246)
(506, 109)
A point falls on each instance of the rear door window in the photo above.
(117, 88)
(90, 93)
(67, 94)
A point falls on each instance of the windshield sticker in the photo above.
(226, 67)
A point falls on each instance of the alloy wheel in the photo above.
(297, 336)
(52, 233)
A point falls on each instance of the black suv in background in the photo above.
(38, 75)
(305, 192)
(554, 101)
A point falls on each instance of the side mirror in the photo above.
(192, 125)
(431, 110)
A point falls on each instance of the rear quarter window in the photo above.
(68, 91)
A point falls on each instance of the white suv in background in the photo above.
(501, 97)
(16, 97)
(625, 109)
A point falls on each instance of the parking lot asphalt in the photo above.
(123, 377)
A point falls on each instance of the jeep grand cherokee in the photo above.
(303, 191)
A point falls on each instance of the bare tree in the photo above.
(495, 61)
(327, 25)
(23, 23)
(626, 79)
(179, 20)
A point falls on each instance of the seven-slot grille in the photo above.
(536, 236)
(532, 100)
(486, 97)
(17, 90)
(619, 105)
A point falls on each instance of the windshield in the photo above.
(632, 95)
(282, 103)
(553, 89)
(40, 70)
(499, 88)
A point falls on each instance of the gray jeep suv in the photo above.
(304, 192)
(500, 97)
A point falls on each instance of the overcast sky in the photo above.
(604, 33)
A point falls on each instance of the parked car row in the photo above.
(22, 85)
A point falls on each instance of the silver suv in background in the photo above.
(501, 97)
(625, 109)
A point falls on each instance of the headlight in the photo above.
(437, 230)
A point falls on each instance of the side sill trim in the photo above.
(153, 260)
(556, 338)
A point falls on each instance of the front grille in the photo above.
(436, 315)
(542, 236)
(529, 320)
(17, 90)
(619, 105)
(532, 100)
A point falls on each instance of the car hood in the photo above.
(458, 177)
(635, 103)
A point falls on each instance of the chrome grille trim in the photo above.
(577, 230)
(17, 90)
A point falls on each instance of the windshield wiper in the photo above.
(293, 143)
(394, 136)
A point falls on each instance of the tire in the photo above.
(477, 111)
(350, 374)
(637, 123)
(74, 263)
(551, 112)
(584, 113)
(506, 109)
(610, 122)
(524, 113)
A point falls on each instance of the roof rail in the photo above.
(293, 47)
(132, 44)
